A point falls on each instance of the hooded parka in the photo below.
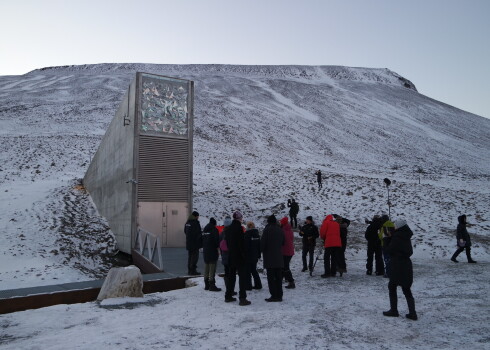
(210, 243)
(330, 232)
(400, 250)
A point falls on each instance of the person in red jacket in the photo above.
(287, 251)
(330, 233)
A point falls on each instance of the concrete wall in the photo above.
(112, 166)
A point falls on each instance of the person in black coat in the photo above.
(252, 247)
(319, 178)
(271, 245)
(193, 242)
(400, 250)
(309, 233)
(210, 245)
(374, 248)
(235, 240)
(293, 212)
(463, 240)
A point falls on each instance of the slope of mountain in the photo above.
(260, 134)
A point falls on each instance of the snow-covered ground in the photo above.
(335, 313)
(260, 134)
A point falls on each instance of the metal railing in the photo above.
(147, 241)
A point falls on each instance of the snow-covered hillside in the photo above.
(260, 134)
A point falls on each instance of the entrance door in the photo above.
(164, 219)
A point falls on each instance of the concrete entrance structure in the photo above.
(141, 175)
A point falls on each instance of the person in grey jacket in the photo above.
(271, 245)
(463, 240)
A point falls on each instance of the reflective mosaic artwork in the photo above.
(164, 105)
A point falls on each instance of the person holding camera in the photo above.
(309, 233)
(293, 212)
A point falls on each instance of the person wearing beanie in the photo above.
(287, 251)
(463, 240)
(193, 242)
(252, 247)
(271, 245)
(401, 270)
(210, 245)
(237, 215)
(309, 233)
(235, 241)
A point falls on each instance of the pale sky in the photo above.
(442, 46)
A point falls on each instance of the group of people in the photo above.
(389, 247)
(240, 249)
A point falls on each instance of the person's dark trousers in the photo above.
(380, 266)
(255, 275)
(394, 298)
(319, 185)
(230, 271)
(248, 278)
(343, 238)
(460, 249)
(227, 277)
(370, 256)
(242, 281)
(193, 257)
(387, 259)
(292, 218)
(288, 275)
(374, 249)
(329, 261)
(340, 258)
(308, 250)
(274, 280)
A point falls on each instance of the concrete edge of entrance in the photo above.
(82, 292)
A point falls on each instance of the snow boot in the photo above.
(391, 313)
(213, 288)
(229, 300)
(244, 302)
(304, 269)
(206, 284)
(369, 272)
(472, 261)
(291, 285)
(412, 314)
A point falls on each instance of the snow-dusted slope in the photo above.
(260, 134)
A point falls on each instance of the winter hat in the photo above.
(212, 221)
(237, 215)
(271, 219)
(399, 223)
(283, 221)
(310, 218)
(195, 213)
(227, 221)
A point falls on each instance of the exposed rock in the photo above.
(122, 282)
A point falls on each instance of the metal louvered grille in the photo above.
(163, 170)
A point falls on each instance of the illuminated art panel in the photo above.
(164, 105)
